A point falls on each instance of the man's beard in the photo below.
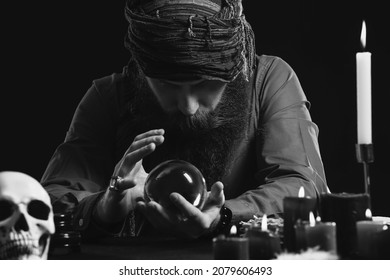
(204, 121)
(206, 139)
(201, 122)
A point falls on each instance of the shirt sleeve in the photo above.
(77, 173)
(287, 149)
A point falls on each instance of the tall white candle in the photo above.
(363, 83)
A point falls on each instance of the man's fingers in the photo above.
(127, 183)
(185, 207)
(143, 145)
(149, 133)
(138, 144)
(132, 158)
(216, 196)
(216, 192)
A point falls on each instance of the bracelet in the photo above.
(114, 183)
(224, 221)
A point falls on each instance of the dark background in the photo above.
(52, 52)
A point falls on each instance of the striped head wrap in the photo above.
(209, 39)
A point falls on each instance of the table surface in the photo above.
(141, 249)
(147, 248)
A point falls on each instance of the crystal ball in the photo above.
(175, 176)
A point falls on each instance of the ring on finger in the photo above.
(114, 183)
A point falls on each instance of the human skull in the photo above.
(26, 217)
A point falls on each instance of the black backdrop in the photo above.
(52, 51)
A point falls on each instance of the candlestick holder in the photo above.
(365, 155)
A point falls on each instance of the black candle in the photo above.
(296, 208)
(369, 239)
(382, 243)
(263, 244)
(345, 209)
(316, 234)
(231, 247)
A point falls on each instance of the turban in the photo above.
(208, 39)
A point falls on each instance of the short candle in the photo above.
(367, 240)
(345, 209)
(296, 208)
(263, 244)
(383, 243)
(231, 247)
(316, 234)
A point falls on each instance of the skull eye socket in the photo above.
(38, 210)
(7, 208)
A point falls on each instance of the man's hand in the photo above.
(191, 222)
(115, 205)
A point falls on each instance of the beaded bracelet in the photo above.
(224, 221)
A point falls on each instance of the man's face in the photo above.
(202, 119)
(188, 97)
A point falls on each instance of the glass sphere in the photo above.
(175, 176)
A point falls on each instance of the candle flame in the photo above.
(368, 213)
(233, 230)
(301, 192)
(312, 220)
(264, 226)
(363, 35)
(318, 219)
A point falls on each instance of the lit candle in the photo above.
(263, 244)
(231, 247)
(316, 234)
(296, 208)
(383, 243)
(345, 209)
(363, 86)
(367, 247)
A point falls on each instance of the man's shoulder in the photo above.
(110, 82)
(273, 69)
(267, 61)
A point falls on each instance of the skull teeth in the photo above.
(19, 249)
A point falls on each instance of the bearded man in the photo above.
(194, 89)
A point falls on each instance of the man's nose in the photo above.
(188, 105)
